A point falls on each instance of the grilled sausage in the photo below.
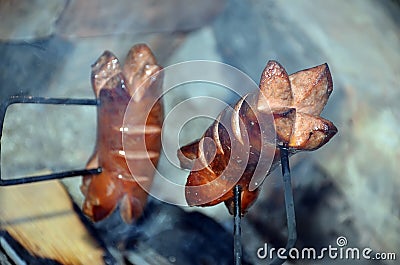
(127, 149)
(231, 148)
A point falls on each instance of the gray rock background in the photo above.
(348, 188)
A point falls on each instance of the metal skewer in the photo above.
(290, 213)
(57, 175)
(52, 101)
(237, 243)
(289, 204)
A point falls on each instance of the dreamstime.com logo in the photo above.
(338, 252)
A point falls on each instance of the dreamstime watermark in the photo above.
(338, 252)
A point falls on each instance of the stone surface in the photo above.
(100, 17)
(38, 19)
(46, 56)
(29, 20)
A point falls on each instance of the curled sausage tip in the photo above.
(295, 102)
(114, 87)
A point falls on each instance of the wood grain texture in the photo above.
(40, 216)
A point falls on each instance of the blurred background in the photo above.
(349, 188)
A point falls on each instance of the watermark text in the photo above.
(340, 251)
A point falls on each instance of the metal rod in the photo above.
(41, 100)
(58, 175)
(237, 243)
(51, 101)
(47, 100)
(289, 204)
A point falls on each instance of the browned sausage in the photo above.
(127, 152)
(295, 103)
